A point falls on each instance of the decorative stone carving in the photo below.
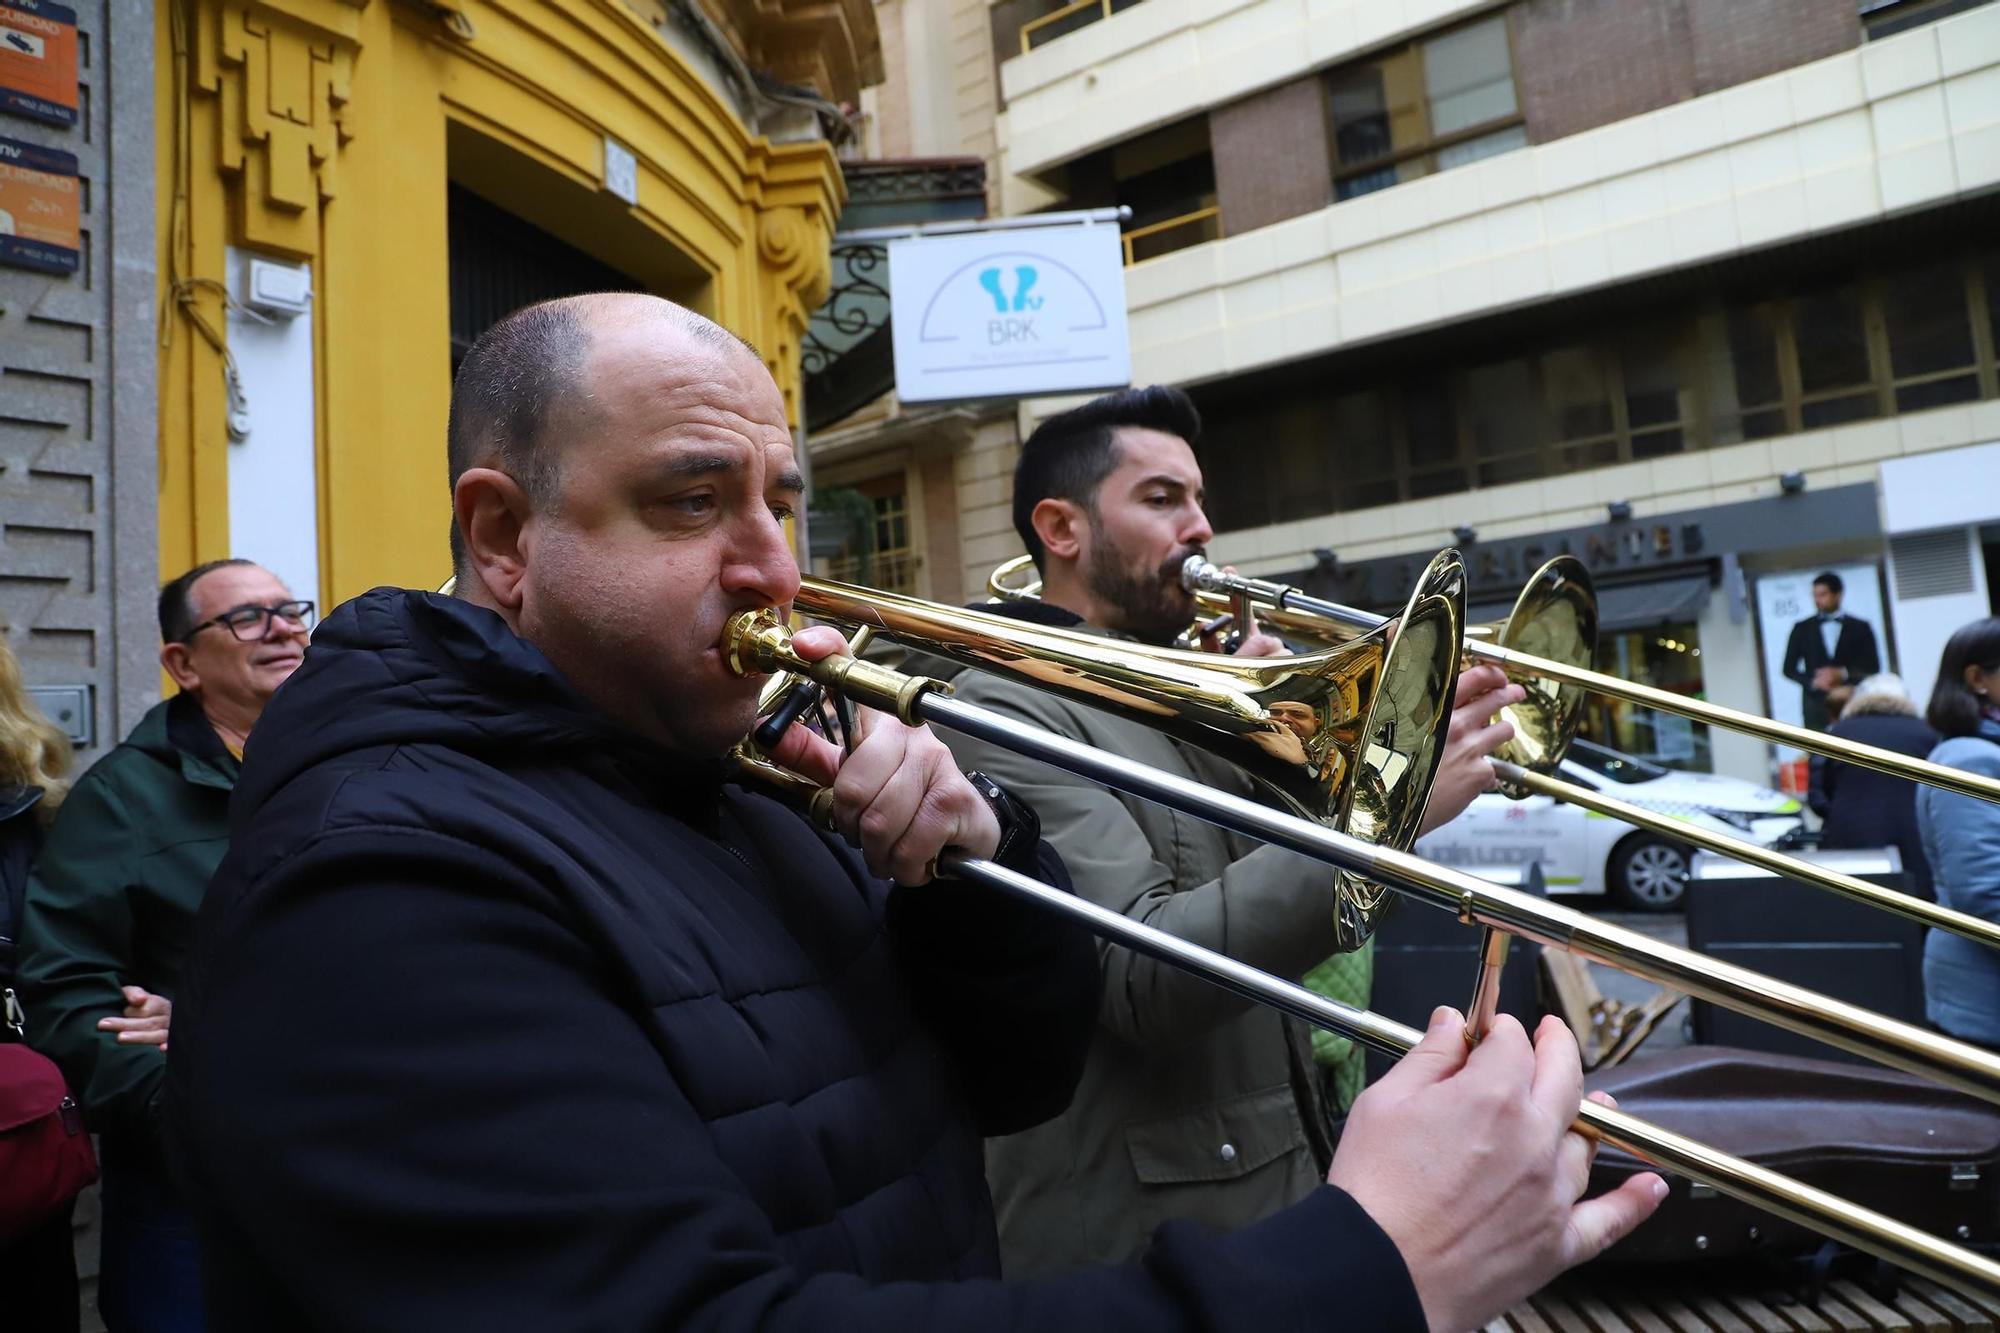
(281, 80)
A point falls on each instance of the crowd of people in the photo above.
(445, 976)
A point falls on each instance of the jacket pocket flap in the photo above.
(1220, 1141)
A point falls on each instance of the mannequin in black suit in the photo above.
(1826, 673)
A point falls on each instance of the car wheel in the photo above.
(1649, 874)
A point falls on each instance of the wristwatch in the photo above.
(1020, 826)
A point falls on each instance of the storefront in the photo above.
(1678, 607)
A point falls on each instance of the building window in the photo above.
(878, 551)
(1165, 176)
(1836, 383)
(1727, 372)
(1886, 18)
(1433, 105)
(1928, 315)
(1748, 396)
(1020, 26)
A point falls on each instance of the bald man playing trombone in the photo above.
(510, 1009)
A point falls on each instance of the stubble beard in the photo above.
(1154, 606)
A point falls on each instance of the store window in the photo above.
(1667, 657)
(1432, 105)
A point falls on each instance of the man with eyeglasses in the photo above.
(111, 907)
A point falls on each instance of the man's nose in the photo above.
(1198, 532)
(760, 568)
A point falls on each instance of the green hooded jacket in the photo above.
(1195, 1102)
(112, 902)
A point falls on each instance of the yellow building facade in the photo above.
(325, 133)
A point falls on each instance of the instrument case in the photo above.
(1891, 1142)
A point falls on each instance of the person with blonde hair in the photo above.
(38, 1270)
(1859, 807)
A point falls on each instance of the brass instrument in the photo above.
(1554, 621)
(1334, 621)
(757, 642)
(1350, 736)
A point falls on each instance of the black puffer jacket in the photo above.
(499, 1020)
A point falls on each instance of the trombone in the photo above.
(1554, 624)
(1350, 736)
(1315, 616)
(758, 642)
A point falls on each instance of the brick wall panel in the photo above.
(1735, 42)
(1271, 156)
(1583, 63)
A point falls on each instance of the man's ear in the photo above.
(492, 513)
(178, 663)
(1060, 523)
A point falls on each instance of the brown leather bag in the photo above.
(1895, 1143)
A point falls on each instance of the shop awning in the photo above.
(1629, 605)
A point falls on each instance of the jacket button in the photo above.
(1228, 1152)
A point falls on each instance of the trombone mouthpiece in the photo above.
(1198, 575)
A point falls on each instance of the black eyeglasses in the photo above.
(251, 623)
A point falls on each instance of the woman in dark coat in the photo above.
(37, 1272)
(1859, 807)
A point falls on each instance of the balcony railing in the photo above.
(1068, 19)
(1159, 238)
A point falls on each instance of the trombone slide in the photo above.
(1866, 1230)
(1741, 849)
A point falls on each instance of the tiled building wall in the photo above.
(78, 527)
(985, 477)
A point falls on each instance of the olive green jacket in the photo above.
(1195, 1103)
(112, 901)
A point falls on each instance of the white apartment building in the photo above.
(1705, 292)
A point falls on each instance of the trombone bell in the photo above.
(1350, 737)
(1555, 617)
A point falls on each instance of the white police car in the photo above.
(1581, 852)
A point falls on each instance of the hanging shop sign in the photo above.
(1009, 313)
(39, 217)
(38, 60)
